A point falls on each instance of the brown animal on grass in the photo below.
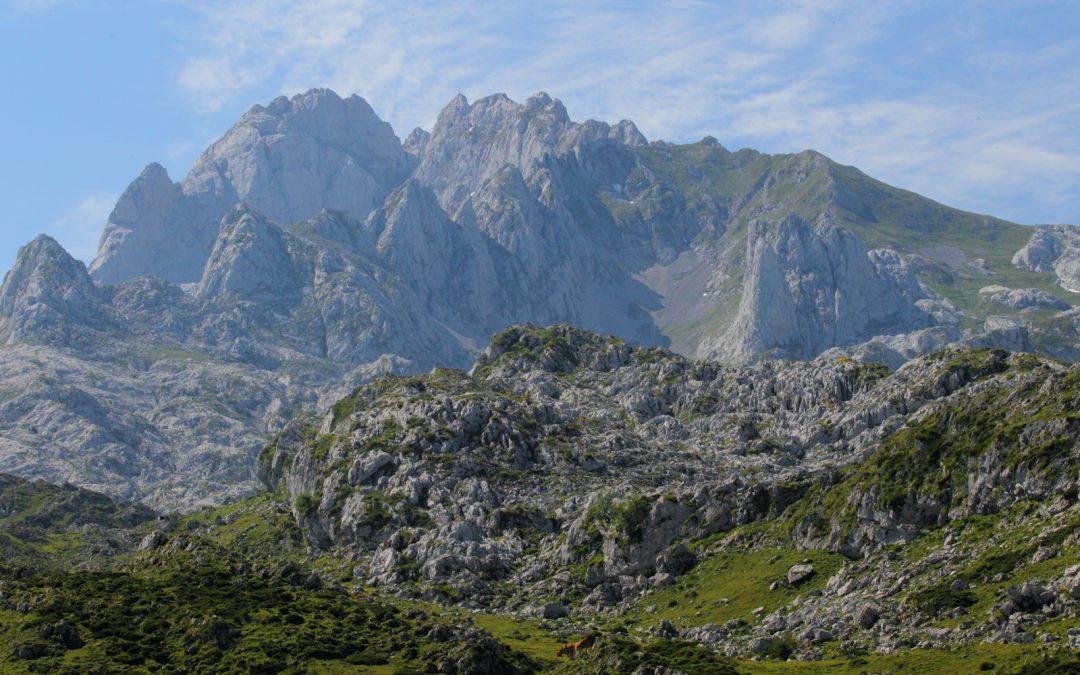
(572, 648)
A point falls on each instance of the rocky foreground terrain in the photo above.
(692, 516)
(310, 250)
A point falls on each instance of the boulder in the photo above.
(62, 633)
(152, 541)
(760, 645)
(816, 636)
(594, 576)
(1029, 596)
(867, 615)
(667, 630)
(798, 574)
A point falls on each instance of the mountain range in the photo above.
(310, 250)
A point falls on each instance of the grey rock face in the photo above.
(471, 143)
(155, 229)
(250, 260)
(1030, 596)
(809, 288)
(288, 159)
(1053, 248)
(48, 293)
(152, 541)
(145, 391)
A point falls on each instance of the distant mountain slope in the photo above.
(309, 250)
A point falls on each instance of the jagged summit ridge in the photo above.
(553, 220)
(471, 143)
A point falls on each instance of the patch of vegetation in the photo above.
(384, 440)
(629, 517)
(557, 348)
(731, 582)
(320, 449)
(625, 519)
(305, 504)
(343, 409)
(56, 507)
(632, 656)
(209, 618)
(941, 597)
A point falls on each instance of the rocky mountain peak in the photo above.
(470, 143)
(350, 123)
(41, 249)
(416, 142)
(411, 211)
(457, 107)
(46, 290)
(334, 227)
(311, 99)
(140, 221)
(288, 159)
(540, 99)
(45, 261)
(627, 133)
(154, 173)
(811, 286)
(541, 103)
(250, 260)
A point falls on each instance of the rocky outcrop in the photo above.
(58, 507)
(810, 288)
(250, 260)
(570, 478)
(1053, 248)
(1022, 298)
(609, 459)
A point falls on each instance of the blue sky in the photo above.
(975, 104)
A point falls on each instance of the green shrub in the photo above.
(305, 505)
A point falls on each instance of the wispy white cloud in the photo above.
(921, 101)
(78, 228)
